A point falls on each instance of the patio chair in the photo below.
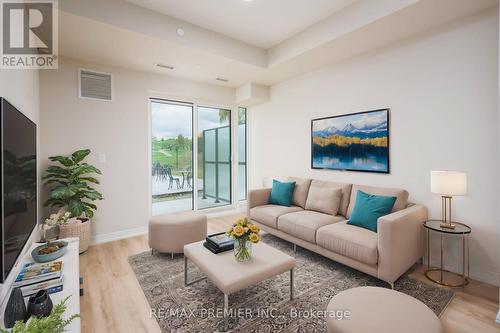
(189, 178)
(172, 179)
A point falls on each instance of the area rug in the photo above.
(265, 307)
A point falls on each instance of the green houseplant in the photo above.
(71, 183)
(53, 323)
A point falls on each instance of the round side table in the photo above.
(460, 230)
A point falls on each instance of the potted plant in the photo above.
(244, 234)
(71, 182)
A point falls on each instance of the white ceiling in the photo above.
(117, 32)
(263, 23)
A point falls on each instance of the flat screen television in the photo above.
(18, 179)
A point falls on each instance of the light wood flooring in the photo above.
(114, 302)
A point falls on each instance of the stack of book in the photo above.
(218, 243)
(34, 277)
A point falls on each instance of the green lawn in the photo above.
(165, 157)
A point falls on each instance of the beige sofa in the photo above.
(317, 221)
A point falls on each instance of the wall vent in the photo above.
(95, 85)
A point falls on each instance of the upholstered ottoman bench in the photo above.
(168, 233)
(373, 309)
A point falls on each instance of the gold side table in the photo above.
(462, 230)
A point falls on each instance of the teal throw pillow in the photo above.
(368, 208)
(281, 193)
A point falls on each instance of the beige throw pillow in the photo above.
(324, 199)
(300, 192)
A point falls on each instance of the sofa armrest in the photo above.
(400, 241)
(258, 197)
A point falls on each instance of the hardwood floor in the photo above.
(114, 302)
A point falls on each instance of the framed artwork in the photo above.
(353, 142)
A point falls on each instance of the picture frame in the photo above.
(352, 142)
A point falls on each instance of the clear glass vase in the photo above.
(242, 249)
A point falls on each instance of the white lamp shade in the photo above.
(448, 183)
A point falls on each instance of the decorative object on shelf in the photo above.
(244, 234)
(40, 304)
(353, 142)
(448, 184)
(50, 226)
(50, 233)
(49, 251)
(459, 229)
(72, 190)
(54, 323)
(15, 309)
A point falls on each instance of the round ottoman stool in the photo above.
(375, 309)
(168, 233)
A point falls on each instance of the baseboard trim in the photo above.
(139, 231)
(117, 235)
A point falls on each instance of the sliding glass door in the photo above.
(196, 172)
(171, 156)
(214, 157)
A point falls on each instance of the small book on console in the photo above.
(33, 273)
(52, 286)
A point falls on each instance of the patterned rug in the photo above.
(265, 307)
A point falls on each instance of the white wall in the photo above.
(119, 129)
(442, 89)
(20, 88)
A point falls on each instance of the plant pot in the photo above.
(80, 230)
(242, 249)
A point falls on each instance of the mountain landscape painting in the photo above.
(355, 142)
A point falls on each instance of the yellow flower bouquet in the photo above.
(244, 234)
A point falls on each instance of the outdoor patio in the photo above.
(177, 200)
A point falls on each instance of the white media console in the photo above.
(71, 283)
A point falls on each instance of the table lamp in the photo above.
(448, 184)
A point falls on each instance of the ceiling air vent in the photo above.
(221, 79)
(95, 85)
(165, 66)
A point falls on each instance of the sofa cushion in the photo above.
(400, 194)
(324, 199)
(268, 214)
(304, 224)
(350, 241)
(281, 193)
(345, 189)
(369, 208)
(300, 192)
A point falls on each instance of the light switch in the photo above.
(102, 158)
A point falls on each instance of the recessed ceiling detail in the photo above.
(263, 23)
(119, 33)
